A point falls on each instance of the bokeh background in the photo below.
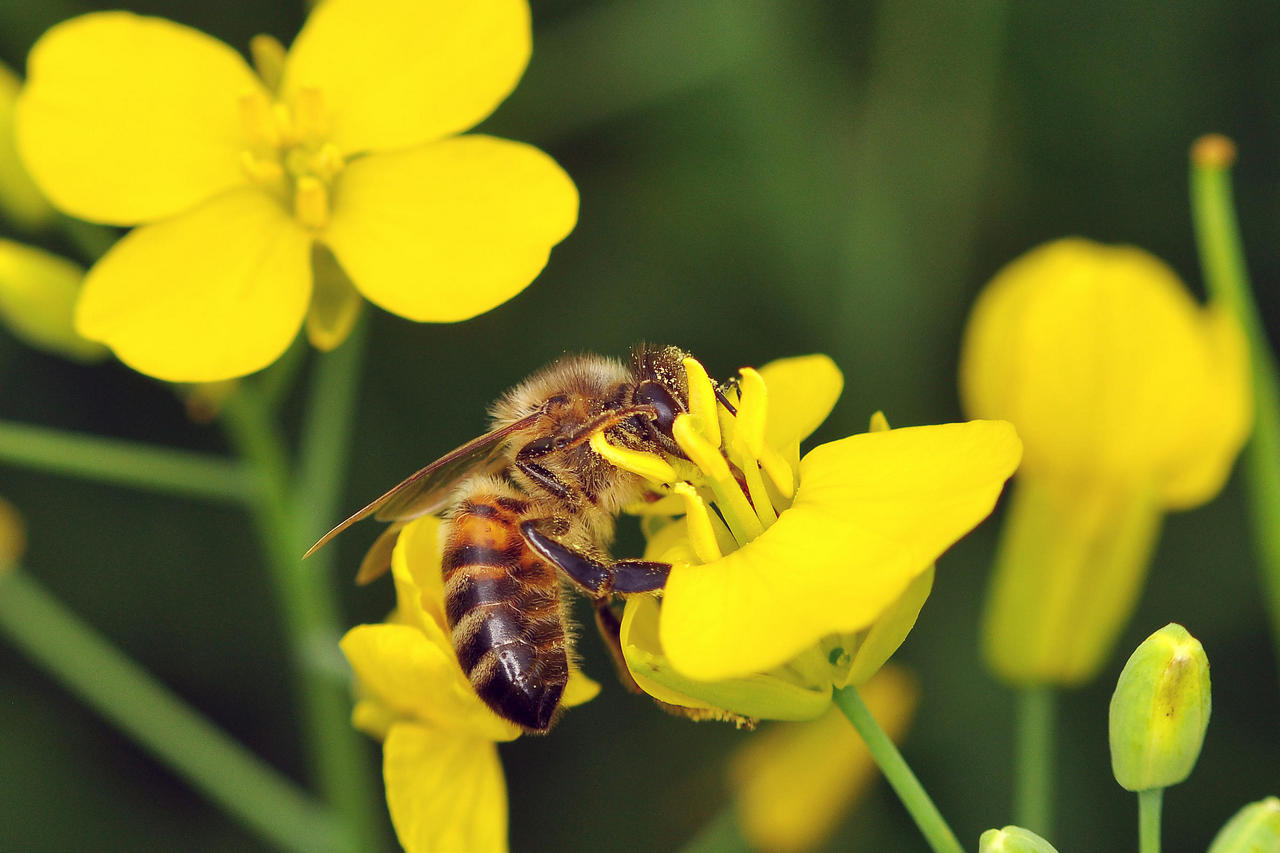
(758, 179)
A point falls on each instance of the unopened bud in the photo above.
(1160, 711)
(1255, 827)
(1013, 839)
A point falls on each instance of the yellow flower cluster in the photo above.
(248, 183)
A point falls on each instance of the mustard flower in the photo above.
(805, 573)
(334, 170)
(793, 782)
(1131, 400)
(445, 788)
(13, 536)
(38, 291)
(20, 200)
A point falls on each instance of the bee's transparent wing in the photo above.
(427, 490)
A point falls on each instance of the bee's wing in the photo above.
(426, 490)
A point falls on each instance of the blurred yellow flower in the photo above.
(445, 788)
(1131, 400)
(807, 573)
(346, 147)
(794, 781)
(13, 536)
(20, 200)
(38, 292)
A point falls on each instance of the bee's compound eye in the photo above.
(649, 393)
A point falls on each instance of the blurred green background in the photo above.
(758, 179)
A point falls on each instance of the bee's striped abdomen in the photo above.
(503, 606)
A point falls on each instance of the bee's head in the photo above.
(659, 381)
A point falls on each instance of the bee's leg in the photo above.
(596, 578)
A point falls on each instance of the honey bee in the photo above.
(530, 502)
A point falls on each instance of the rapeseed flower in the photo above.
(1131, 400)
(793, 576)
(20, 201)
(38, 291)
(444, 782)
(264, 196)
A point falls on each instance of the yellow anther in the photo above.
(258, 121)
(879, 423)
(698, 521)
(286, 129)
(752, 409)
(268, 59)
(702, 401)
(311, 203)
(261, 170)
(309, 119)
(647, 465)
(701, 452)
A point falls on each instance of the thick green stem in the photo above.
(894, 767)
(1033, 760)
(1227, 280)
(310, 612)
(1149, 803)
(122, 692)
(123, 463)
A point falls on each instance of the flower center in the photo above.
(287, 149)
(734, 484)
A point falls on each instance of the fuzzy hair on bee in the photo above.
(530, 507)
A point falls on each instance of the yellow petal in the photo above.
(401, 668)
(1069, 570)
(20, 200)
(888, 632)
(214, 293)
(38, 291)
(447, 231)
(580, 689)
(128, 119)
(445, 793)
(768, 696)
(415, 565)
(872, 512)
(13, 536)
(793, 782)
(396, 73)
(802, 392)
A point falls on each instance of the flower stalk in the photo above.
(899, 775)
(1149, 807)
(1227, 280)
(1033, 766)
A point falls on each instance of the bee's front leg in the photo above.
(596, 578)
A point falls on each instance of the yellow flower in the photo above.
(20, 201)
(1131, 400)
(344, 148)
(795, 781)
(13, 537)
(445, 788)
(809, 572)
(38, 291)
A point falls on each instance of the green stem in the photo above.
(908, 788)
(1149, 803)
(310, 611)
(126, 695)
(1227, 280)
(1033, 760)
(123, 463)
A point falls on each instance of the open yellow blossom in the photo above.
(445, 788)
(1131, 400)
(793, 782)
(793, 575)
(265, 195)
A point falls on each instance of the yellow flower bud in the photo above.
(13, 536)
(1160, 710)
(1013, 839)
(1130, 400)
(38, 291)
(1255, 827)
(20, 201)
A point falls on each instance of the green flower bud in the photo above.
(1013, 839)
(1160, 710)
(1256, 827)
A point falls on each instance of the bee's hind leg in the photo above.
(598, 579)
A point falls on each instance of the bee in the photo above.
(530, 502)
